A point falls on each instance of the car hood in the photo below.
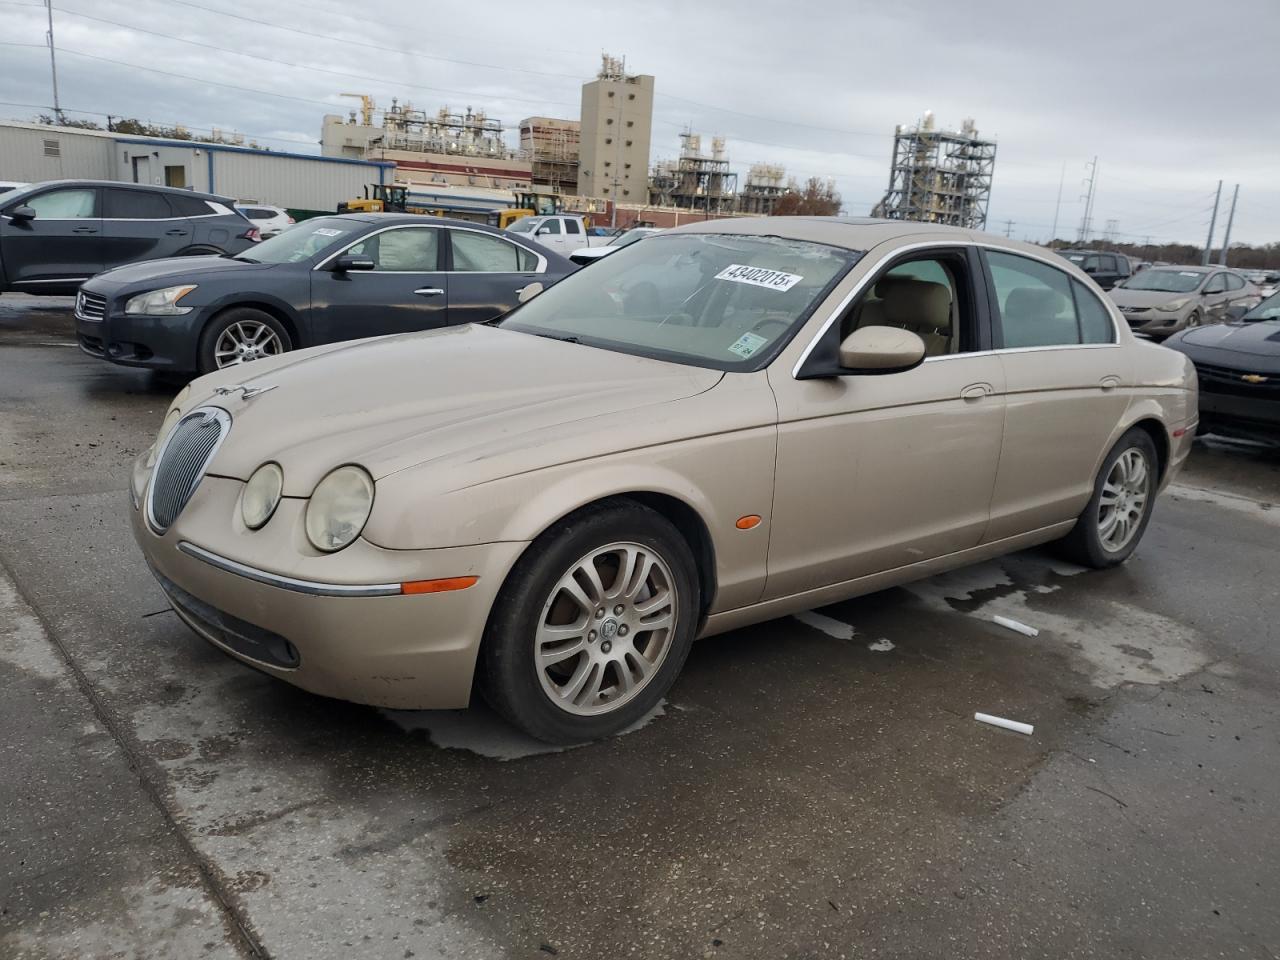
(1124, 297)
(1254, 346)
(460, 395)
(174, 269)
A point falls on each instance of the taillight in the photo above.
(291, 220)
(253, 235)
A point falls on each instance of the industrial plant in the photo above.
(939, 176)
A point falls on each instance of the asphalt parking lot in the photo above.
(813, 787)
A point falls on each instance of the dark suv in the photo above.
(1105, 267)
(55, 235)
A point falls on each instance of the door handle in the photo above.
(1109, 383)
(976, 391)
(175, 233)
(84, 229)
(428, 291)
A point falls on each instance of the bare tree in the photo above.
(818, 198)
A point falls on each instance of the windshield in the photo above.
(628, 238)
(729, 302)
(1268, 309)
(1165, 281)
(301, 242)
(524, 225)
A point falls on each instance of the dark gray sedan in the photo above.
(328, 279)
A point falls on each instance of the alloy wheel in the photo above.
(1125, 495)
(606, 628)
(243, 341)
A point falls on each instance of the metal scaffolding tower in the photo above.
(939, 176)
(696, 181)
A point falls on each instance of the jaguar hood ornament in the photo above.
(246, 392)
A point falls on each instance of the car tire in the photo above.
(200, 252)
(1108, 531)
(262, 335)
(566, 685)
(1193, 318)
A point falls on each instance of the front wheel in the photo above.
(241, 335)
(1117, 514)
(1194, 319)
(592, 626)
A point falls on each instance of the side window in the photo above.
(189, 207)
(64, 204)
(1108, 264)
(1034, 301)
(572, 226)
(482, 253)
(1125, 270)
(928, 297)
(1095, 322)
(135, 205)
(1235, 282)
(410, 250)
(1217, 283)
(551, 226)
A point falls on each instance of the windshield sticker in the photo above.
(328, 232)
(748, 343)
(759, 277)
(1184, 273)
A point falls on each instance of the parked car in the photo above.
(584, 255)
(268, 219)
(1238, 364)
(562, 233)
(557, 504)
(55, 235)
(1161, 301)
(1106, 268)
(8, 186)
(324, 280)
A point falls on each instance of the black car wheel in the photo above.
(241, 335)
(1193, 319)
(592, 626)
(200, 252)
(1117, 514)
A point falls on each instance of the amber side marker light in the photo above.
(747, 522)
(437, 586)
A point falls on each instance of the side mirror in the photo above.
(541, 231)
(23, 213)
(529, 291)
(881, 350)
(343, 264)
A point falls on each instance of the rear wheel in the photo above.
(241, 335)
(592, 626)
(1117, 514)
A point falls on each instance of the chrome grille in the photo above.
(180, 466)
(90, 306)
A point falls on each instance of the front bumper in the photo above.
(398, 651)
(1154, 323)
(160, 343)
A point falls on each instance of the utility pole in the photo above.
(1213, 222)
(1226, 240)
(53, 63)
(1008, 228)
(1053, 235)
(1087, 220)
(1109, 234)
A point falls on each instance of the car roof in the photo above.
(1187, 269)
(181, 191)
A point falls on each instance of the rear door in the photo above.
(61, 247)
(1067, 386)
(406, 291)
(140, 225)
(487, 273)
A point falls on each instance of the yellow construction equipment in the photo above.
(378, 198)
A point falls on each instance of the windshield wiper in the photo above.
(244, 259)
(552, 336)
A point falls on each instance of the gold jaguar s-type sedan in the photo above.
(726, 423)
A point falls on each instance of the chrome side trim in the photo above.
(310, 587)
(542, 261)
(1113, 311)
(58, 280)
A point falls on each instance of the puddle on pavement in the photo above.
(480, 731)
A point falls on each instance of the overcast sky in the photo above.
(1171, 96)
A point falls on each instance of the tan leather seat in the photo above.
(921, 306)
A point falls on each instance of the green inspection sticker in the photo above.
(747, 344)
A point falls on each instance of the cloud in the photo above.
(1158, 93)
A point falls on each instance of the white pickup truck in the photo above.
(563, 232)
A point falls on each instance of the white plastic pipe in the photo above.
(1013, 725)
(1017, 626)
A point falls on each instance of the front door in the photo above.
(1067, 381)
(58, 249)
(406, 291)
(876, 472)
(140, 225)
(487, 273)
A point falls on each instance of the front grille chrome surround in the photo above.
(90, 306)
(181, 462)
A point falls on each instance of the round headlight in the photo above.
(339, 508)
(261, 495)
